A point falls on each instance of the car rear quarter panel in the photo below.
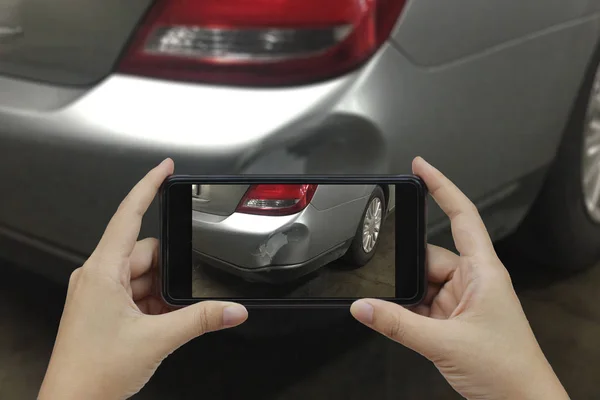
(331, 196)
(434, 32)
(486, 121)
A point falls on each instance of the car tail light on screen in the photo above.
(258, 42)
(276, 199)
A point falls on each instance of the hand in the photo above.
(115, 331)
(471, 324)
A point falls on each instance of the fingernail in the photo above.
(163, 162)
(363, 311)
(234, 315)
(423, 161)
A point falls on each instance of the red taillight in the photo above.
(258, 42)
(276, 199)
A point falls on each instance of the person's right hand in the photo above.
(471, 324)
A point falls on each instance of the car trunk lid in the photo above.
(66, 42)
(217, 199)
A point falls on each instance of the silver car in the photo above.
(280, 232)
(502, 95)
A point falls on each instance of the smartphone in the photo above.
(292, 241)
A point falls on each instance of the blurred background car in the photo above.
(280, 232)
(501, 95)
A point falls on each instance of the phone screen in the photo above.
(294, 240)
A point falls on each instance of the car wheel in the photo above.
(562, 229)
(366, 239)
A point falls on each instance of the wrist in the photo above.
(66, 385)
(539, 383)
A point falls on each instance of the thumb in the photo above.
(418, 333)
(178, 327)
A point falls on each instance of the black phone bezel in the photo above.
(174, 288)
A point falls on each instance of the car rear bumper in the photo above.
(254, 242)
(275, 274)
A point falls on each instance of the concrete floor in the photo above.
(340, 360)
(376, 279)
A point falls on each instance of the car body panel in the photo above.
(68, 42)
(221, 200)
(434, 32)
(489, 115)
(327, 197)
(480, 113)
(280, 273)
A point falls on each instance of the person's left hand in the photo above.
(115, 330)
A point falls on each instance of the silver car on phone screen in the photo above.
(246, 229)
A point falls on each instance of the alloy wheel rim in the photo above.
(372, 225)
(590, 166)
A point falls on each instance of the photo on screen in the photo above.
(293, 240)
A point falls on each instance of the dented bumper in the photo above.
(276, 273)
(253, 244)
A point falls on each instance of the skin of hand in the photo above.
(115, 330)
(471, 324)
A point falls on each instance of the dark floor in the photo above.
(376, 279)
(342, 360)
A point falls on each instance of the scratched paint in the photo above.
(268, 250)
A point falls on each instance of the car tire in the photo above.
(559, 231)
(357, 255)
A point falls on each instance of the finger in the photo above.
(441, 264)
(73, 280)
(144, 257)
(123, 229)
(468, 230)
(412, 330)
(432, 290)
(142, 286)
(444, 304)
(422, 309)
(178, 327)
(152, 305)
